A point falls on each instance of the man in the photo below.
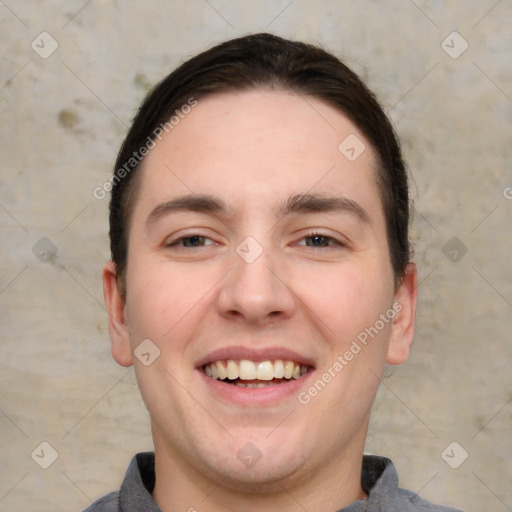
(260, 281)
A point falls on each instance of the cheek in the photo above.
(346, 306)
(344, 300)
(163, 300)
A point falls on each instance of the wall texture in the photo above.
(72, 75)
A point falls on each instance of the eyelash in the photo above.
(313, 234)
(332, 242)
(188, 237)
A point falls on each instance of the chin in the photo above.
(250, 470)
(262, 481)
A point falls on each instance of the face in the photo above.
(259, 268)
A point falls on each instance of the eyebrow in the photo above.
(298, 203)
(315, 203)
(191, 203)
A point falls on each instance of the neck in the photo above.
(331, 486)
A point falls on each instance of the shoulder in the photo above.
(135, 491)
(380, 480)
(109, 503)
(411, 502)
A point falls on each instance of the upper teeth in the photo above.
(250, 370)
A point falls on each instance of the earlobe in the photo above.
(402, 332)
(118, 328)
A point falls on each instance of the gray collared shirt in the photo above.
(379, 480)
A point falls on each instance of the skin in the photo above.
(253, 150)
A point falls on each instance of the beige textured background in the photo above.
(62, 120)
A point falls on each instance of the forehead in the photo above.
(257, 147)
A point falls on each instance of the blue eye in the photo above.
(191, 241)
(319, 240)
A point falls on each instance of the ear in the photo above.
(402, 331)
(118, 328)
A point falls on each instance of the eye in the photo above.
(319, 240)
(191, 241)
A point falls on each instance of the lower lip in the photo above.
(255, 396)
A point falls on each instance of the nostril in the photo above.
(234, 313)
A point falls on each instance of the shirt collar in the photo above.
(379, 481)
(138, 484)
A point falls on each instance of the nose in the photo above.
(256, 292)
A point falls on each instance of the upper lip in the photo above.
(254, 354)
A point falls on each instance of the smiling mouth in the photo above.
(251, 374)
